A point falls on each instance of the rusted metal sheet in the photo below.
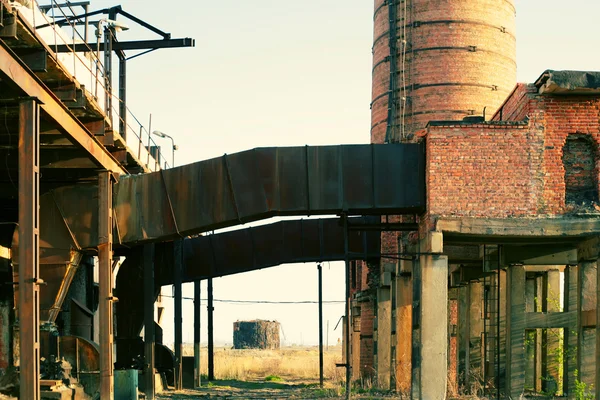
(239, 251)
(267, 182)
(284, 242)
(248, 186)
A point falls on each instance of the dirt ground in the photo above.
(231, 389)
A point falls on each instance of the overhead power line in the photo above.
(262, 301)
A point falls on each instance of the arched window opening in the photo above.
(579, 161)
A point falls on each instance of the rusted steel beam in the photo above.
(29, 271)
(17, 73)
(105, 254)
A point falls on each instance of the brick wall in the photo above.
(511, 168)
(367, 313)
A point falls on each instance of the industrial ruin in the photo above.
(469, 226)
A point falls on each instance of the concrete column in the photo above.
(475, 354)
(530, 334)
(462, 335)
(571, 336)
(430, 309)
(587, 333)
(551, 356)
(452, 342)
(515, 313)
(539, 296)
(384, 320)
(355, 348)
(502, 311)
(597, 380)
(403, 327)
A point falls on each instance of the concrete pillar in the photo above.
(502, 311)
(530, 334)
(355, 348)
(475, 351)
(384, 331)
(551, 350)
(587, 334)
(571, 336)
(597, 380)
(462, 334)
(452, 342)
(403, 327)
(430, 308)
(515, 312)
(539, 372)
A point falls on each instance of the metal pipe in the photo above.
(320, 269)
(211, 344)
(197, 334)
(178, 263)
(105, 253)
(29, 269)
(65, 284)
(347, 307)
(149, 332)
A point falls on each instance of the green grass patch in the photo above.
(273, 378)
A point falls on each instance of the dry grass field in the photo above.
(290, 364)
(288, 373)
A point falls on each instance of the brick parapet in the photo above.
(511, 168)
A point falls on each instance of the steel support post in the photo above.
(211, 342)
(122, 94)
(348, 326)
(108, 43)
(29, 219)
(320, 269)
(178, 263)
(149, 333)
(197, 305)
(105, 255)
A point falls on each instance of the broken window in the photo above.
(579, 161)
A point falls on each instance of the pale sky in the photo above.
(280, 73)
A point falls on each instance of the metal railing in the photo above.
(88, 66)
